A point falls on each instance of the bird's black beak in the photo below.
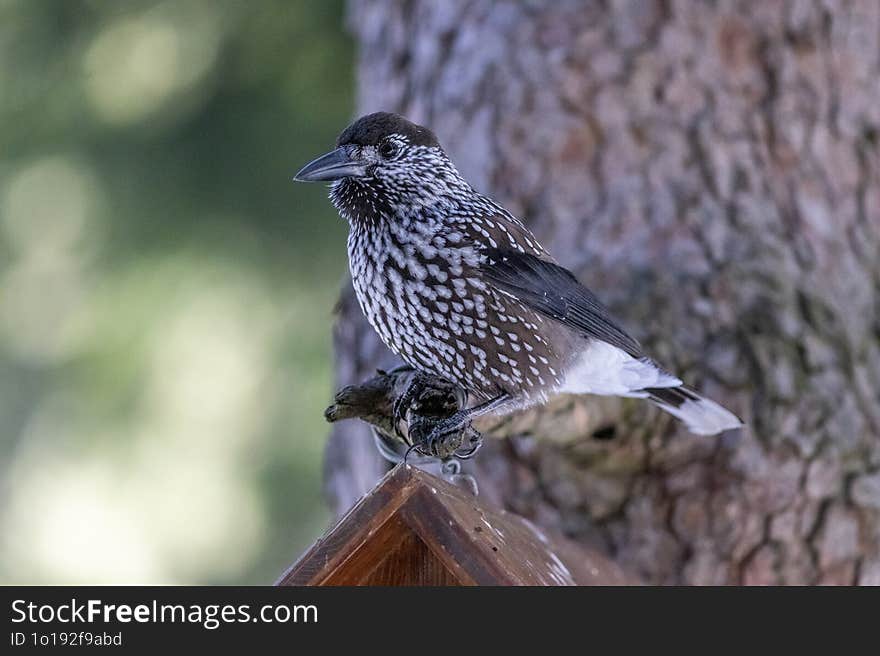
(335, 165)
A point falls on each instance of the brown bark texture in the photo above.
(712, 171)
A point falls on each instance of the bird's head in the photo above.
(384, 164)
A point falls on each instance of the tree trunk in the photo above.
(712, 172)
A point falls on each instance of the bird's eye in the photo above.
(388, 149)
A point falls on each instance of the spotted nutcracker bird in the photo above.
(459, 288)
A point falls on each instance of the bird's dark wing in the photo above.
(553, 291)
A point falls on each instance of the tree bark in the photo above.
(712, 171)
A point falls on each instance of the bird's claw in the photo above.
(452, 437)
(399, 409)
(443, 440)
(403, 403)
(424, 401)
(473, 443)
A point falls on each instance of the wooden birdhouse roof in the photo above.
(416, 529)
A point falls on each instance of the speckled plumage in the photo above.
(460, 288)
(415, 250)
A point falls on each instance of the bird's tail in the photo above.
(701, 415)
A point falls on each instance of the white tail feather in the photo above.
(605, 369)
(701, 415)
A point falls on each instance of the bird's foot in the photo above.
(454, 436)
(446, 434)
(417, 385)
(425, 401)
(423, 411)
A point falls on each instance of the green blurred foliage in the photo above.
(166, 291)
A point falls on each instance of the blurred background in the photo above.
(166, 291)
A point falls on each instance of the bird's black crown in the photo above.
(371, 129)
